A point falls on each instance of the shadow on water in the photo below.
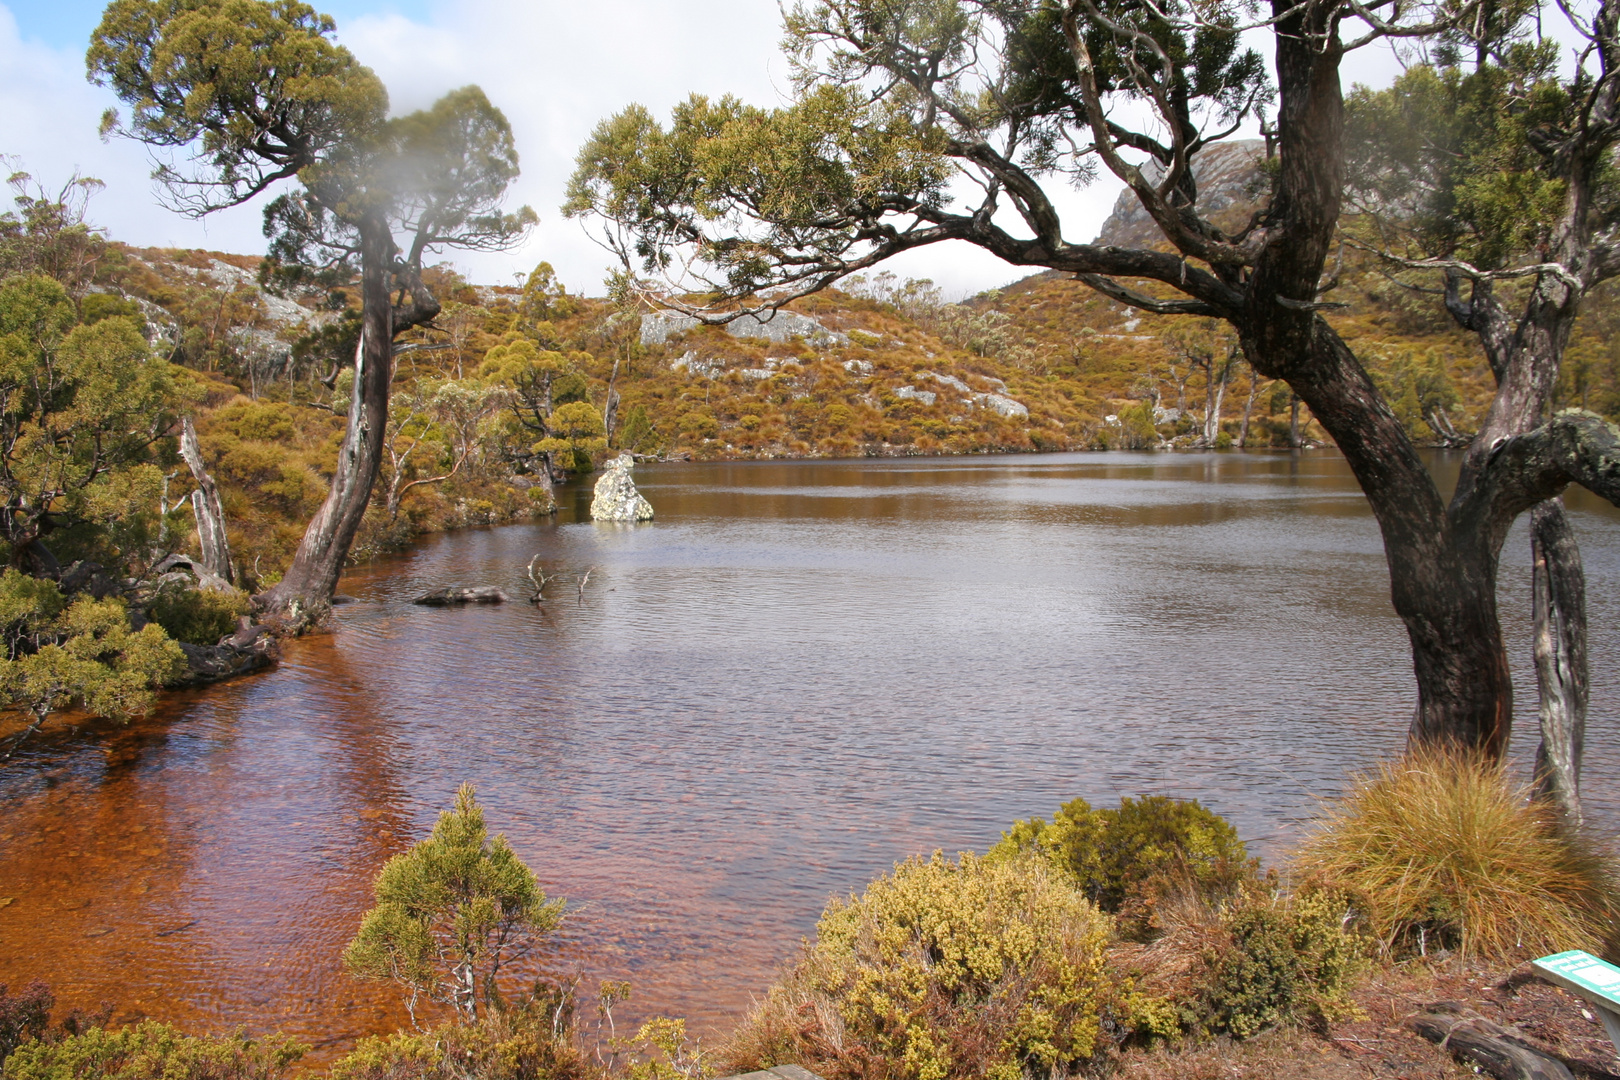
(798, 674)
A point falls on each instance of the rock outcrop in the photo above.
(616, 496)
(775, 326)
(1229, 185)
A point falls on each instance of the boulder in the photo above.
(616, 496)
(484, 594)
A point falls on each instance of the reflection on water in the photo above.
(799, 674)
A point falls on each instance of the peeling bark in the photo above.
(214, 548)
(1559, 590)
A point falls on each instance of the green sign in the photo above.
(1583, 973)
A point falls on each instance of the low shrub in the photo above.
(1283, 959)
(974, 968)
(198, 616)
(1244, 964)
(1448, 852)
(152, 1051)
(1117, 855)
(532, 1042)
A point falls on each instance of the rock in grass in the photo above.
(484, 594)
(616, 496)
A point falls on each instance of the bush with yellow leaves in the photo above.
(943, 969)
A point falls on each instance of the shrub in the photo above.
(943, 969)
(530, 1042)
(198, 616)
(1449, 852)
(1119, 855)
(452, 914)
(23, 1016)
(1241, 964)
(1282, 959)
(152, 1051)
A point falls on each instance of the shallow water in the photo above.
(798, 674)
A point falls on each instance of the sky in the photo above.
(555, 67)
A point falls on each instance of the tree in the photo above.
(85, 415)
(49, 234)
(548, 401)
(258, 95)
(1492, 167)
(453, 913)
(81, 653)
(445, 416)
(896, 96)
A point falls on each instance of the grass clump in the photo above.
(943, 969)
(1447, 852)
(152, 1051)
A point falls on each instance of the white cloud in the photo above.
(556, 68)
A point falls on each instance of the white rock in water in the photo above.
(616, 496)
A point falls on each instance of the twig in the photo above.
(582, 583)
(538, 583)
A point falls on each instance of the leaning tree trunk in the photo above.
(1559, 590)
(304, 594)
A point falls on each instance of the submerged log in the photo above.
(252, 648)
(484, 594)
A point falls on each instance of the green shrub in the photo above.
(1448, 852)
(1116, 855)
(452, 913)
(152, 1051)
(198, 616)
(943, 969)
(1282, 960)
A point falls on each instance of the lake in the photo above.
(800, 673)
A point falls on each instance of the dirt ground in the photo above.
(1376, 1042)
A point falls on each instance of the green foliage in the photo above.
(83, 654)
(153, 1051)
(1282, 960)
(1418, 389)
(198, 616)
(1450, 156)
(82, 409)
(975, 968)
(47, 234)
(452, 914)
(1113, 854)
(1447, 852)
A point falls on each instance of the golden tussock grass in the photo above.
(1447, 851)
